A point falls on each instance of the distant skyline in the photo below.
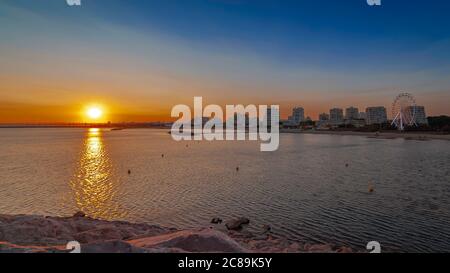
(139, 58)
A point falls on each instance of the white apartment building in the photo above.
(376, 115)
(337, 116)
(298, 115)
(352, 113)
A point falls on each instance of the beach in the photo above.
(44, 234)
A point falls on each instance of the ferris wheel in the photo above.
(404, 111)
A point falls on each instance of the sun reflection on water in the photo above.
(94, 187)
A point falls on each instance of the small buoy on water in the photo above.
(371, 189)
(129, 171)
(162, 155)
(237, 169)
(346, 165)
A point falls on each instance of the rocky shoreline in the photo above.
(41, 234)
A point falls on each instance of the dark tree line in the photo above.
(440, 123)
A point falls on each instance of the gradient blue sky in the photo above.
(141, 57)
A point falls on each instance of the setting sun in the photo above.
(94, 112)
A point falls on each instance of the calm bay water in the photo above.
(304, 191)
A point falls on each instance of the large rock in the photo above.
(203, 240)
(236, 224)
(320, 248)
(80, 214)
(12, 248)
(114, 246)
(28, 234)
(50, 231)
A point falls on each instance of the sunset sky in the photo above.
(139, 58)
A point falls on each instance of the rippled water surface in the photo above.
(305, 191)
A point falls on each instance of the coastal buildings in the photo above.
(349, 118)
(324, 117)
(351, 113)
(324, 121)
(298, 115)
(357, 123)
(362, 115)
(336, 116)
(376, 115)
(419, 114)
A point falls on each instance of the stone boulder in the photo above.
(236, 224)
(203, 241)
